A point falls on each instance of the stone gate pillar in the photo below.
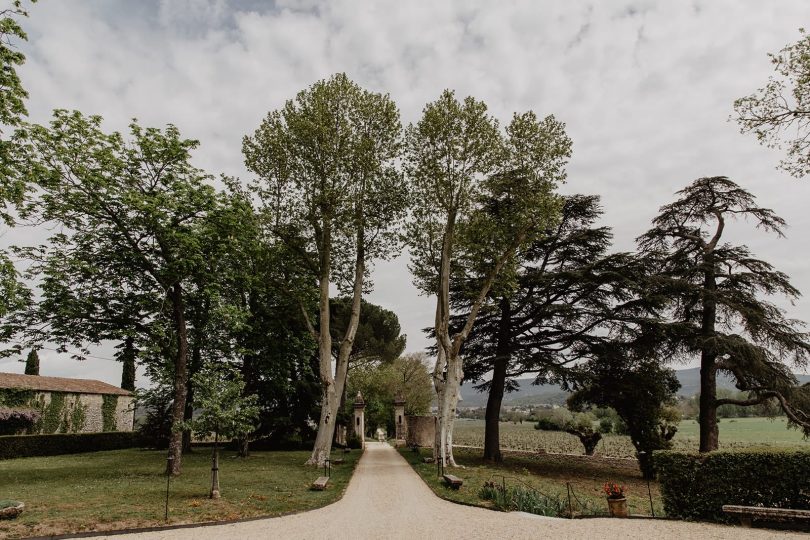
(359, 425)
(401, 427)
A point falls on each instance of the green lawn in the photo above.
(548, 474)
(126, 488)
(748, 431)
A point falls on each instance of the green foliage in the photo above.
(53, 414)
(696, 486)
(353, 441)
(224, 409)
(109, 405)
(716, 298)
(17, 421)
(523, 499)
(156, 427)
(32, 363)
(17, 446)
(16, 397)
(638, 389)
(380, 383)
(378, 337)
(782, 107)
(334, 197)
(78, 414)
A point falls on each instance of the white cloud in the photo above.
(644, 87)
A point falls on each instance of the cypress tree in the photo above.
(32, 363)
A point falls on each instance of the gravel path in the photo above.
(387, 499)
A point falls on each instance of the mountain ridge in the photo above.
(530, 394)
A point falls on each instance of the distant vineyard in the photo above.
(525, 437)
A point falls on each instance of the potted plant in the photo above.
(617, 502)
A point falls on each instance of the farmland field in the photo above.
(734, 433)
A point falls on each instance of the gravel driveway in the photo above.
(387, 499)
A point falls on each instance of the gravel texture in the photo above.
(387, 499)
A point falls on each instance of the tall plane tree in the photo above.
(332, 192)
(479, 197)
(717, 309)
(136, 205)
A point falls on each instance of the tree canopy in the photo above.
(332, 193)
(715, 296)
(779, 112)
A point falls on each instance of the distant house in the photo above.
(68, 405)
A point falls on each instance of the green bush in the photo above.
(16, 446)
(696, 486)
(354, 442)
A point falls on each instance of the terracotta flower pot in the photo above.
(618, 507)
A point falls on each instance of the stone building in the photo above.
(68, 405)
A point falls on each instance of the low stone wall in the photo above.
(421, 431)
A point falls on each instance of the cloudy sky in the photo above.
(645, 88)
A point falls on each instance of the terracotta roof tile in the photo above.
(59, 384)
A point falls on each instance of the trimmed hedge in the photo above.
(17, 446)
(696, 486)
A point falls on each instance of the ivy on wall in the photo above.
(15, 397)
(77, 416)
(108, 407)
(52, 413)
(59, 415)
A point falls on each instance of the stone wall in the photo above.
(421, 431)
(124, 413)
(91, 415)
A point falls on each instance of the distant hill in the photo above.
(530, 394)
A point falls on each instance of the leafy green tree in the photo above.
(407, 376)
(249, 315)
(478, 197)
(565, 290)
(637, 388)
(327, 165)
(779, 113)
(581, 426)
(135, 208)
(13, 295)
(378, 337)
(224, 411)
(32, 363)
(713, 293)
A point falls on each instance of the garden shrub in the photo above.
(696, 486)
(16, 446)
(523, 499)
(16, 421)
(353, 441)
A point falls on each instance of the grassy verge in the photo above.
(126, 488)
(546, 473)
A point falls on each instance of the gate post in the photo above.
(359, 425)
(399, 418)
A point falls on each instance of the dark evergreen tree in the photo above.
(640, 390)
(562, 291)
(716, 301)
(32, 363)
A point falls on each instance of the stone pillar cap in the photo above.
(399, 399)
(358, 401)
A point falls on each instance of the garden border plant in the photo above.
(696, 486)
